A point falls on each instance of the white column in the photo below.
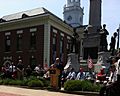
(46, 44)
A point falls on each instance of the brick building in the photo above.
(36, 36)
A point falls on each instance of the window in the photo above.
(33, 62)
(61, 48)
(69, 44)
(54, 46)
(7, 43)
(61, 45)
(33, 38)
(19, 42)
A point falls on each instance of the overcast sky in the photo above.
(110, 10)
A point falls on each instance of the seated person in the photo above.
(71, 74)
(64, 76)
(101, 76)
(80, 75)
(47, 75)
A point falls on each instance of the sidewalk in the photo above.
(15, 91)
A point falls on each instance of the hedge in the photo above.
(77, 85)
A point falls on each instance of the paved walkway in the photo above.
(15, 91)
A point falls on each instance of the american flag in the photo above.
(90, 62)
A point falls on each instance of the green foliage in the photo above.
(15, 82)
(1, 82)
(32, 81)
(45, 82)
(6, 81)
(35, 83)
(77, 85)
(73, 85)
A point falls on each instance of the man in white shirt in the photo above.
(71, 75)
(80, 75)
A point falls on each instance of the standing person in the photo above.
(113, 76)
(28, 71)
(59, 66)
(12, 69)
(20, 70)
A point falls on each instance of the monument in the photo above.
(73, 56)
(103, 54)
(91, 38)
(103, 39)
(112, 43)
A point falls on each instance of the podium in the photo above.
(54, 77)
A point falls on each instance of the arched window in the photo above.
(77, 0)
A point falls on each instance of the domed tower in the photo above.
(73, 13)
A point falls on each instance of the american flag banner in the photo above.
(90, 62)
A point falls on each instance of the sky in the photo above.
(110, 10)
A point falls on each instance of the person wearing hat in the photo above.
(101, 76)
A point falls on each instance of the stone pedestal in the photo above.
(72, 62)
(103, 57)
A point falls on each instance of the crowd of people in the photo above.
(18, 71)
(111, 78)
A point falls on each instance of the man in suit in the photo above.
(59, 66)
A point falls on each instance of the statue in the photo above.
(103, 39)
(112, 43)
(75, 42)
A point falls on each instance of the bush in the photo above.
(77, 85)
(1, 82)
(35, 83)
(45, 82)
(73, 85)
(15, 82)
(31, 82)
(6, 81)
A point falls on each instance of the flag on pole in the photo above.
(90, 62)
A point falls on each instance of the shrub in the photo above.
(1, 82)
(6, 81)
(77, 85)
(73, 85)
(35, 83)
(45, 82)
(15, 82)
(31, 82)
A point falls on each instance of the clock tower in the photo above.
(73, 13)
